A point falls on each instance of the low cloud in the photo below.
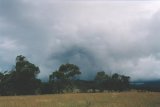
(117, 37)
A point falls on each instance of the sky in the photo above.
(112, 36)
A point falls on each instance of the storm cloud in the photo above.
(114, 36)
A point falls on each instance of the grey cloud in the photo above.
(110, 36)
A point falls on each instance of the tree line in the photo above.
(22, 80)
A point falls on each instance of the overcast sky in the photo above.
(114, 36)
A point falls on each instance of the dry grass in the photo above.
(126, 99)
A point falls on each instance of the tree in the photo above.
(57, 79)
(119, 82)
(70, 71)
(24, 76)
(46, 88)
(101, 79)
(101, 76)
(1, 76)
(125, 81)
(21, 79)
(63, 78)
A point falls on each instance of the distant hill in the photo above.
(147, 85)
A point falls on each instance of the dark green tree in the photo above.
(125, 82)
(70, 71)
(64, 77)
(101, 76)
(24, 76)
(119, 82)
(100, 80)
(21, 79)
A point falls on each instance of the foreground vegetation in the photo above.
(124, 99)
(22, 80)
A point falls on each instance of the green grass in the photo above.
(125, 99)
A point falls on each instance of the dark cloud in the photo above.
(81, 57)
(120, 37)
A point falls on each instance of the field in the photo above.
(124, 99)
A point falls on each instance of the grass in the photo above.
(124, 99)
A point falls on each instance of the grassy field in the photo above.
(125, 99)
